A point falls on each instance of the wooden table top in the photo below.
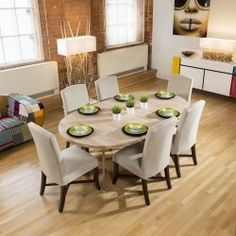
(108, 133)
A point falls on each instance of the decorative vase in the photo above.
(144, 105)
(130, 110)
(116, 116)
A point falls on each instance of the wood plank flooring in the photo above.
(202, 202)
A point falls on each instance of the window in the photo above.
(20, 36)
(124, 22)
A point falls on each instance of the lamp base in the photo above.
(79, 69)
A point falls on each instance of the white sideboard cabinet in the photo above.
(195, 73)
(212, 76)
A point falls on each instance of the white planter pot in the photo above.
(143, 105)
(116, 116)
(130, 110)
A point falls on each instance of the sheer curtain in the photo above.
(20, 34)
(124, 22)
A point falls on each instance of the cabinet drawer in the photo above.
(217, 82)
(194, 73)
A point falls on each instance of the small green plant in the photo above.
(143, 98)
(116, 109)
(130, 103)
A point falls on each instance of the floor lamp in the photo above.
(81, 46)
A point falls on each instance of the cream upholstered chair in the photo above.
(186, 134)
(106, 87)
(74, 97)
(181, 86)
(61, 167)
(148, 159)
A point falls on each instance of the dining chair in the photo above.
(74, 97)
(62, 167)
(181, 86)
(147, 159)
(186, 134)
(106, 87)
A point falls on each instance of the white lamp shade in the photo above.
(76, 45)
(218, 44)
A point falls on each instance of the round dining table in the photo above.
(107, 132)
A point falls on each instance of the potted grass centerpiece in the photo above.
(116, 112)
(130, 106)
(143, 100)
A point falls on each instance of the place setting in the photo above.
(123, 97)
(80, 130)
(167, 112)
(89, 109)
(165, 94)
(135, 129)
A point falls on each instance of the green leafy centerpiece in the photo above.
(143, 101)
(116, 112)
(130, 106)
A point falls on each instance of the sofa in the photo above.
(15, 112)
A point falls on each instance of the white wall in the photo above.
(222, 24)
(32, 79)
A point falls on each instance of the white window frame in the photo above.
(126, 43)
(37, 33)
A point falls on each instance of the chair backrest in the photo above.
(156, 151)
(106, 87)
(74, 97)
(187, 129)
(48, 153)
(181, 86)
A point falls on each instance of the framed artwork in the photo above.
(191, 17)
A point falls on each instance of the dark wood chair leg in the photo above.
(85, 149)
(96, 179)
(67, 144)
(175, 158)
(43, 183)
(115, 172)
(167, 177)
(193, 149)
(63, 192)
(145, 191)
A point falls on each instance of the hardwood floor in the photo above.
(202, 202)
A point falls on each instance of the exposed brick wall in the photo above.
(98, 23)
(72, 11)
(148, 26)
(52, 12)
(98, 28)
